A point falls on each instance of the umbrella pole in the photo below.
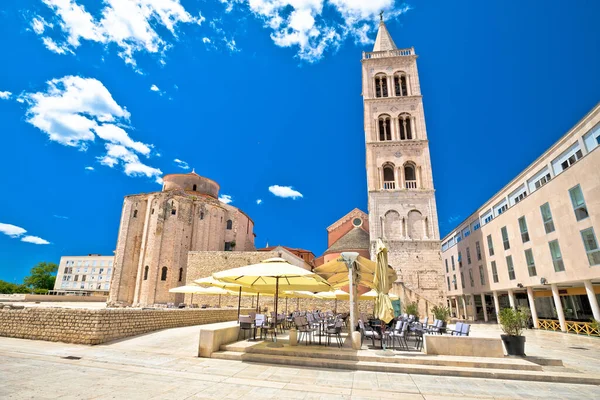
(286, 310)
(192, 301)
(220, 302)
(239, 302)
(257, 298)
(298, 304)
(276, 301)
(335, 307)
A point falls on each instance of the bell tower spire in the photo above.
(384, 40)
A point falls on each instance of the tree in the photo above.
(9, 288)
(42, 276)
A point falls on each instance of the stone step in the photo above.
(398, 358)
(465, 372)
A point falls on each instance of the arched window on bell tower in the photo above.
(389, 178)
(400, 84)
(381, 86)
(406, 131)
(385, 128)
(410, 176)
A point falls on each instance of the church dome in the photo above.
(191, 182)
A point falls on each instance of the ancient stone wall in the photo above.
(100, 326)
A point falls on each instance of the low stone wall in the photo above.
(100, 326)
(465, 346)
(42, 298)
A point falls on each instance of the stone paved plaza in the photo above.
(162, 365)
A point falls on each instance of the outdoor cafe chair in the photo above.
(367, 331)
(304, 329)
(464, 330)
(335, 331)
(436, 327)
(398, 334)
(457, 329)
(245, 325)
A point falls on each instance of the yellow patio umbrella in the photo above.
(274, 273)
(192, 289)
(372, 295)
(239, 290)
(336, 272)
(382, 285)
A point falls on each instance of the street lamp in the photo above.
(350, 259)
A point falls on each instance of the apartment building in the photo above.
(84, 275)
(535, 243)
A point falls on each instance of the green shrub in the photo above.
(441, 313)
(513, 321)
(412, 309)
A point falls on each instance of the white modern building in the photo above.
(84, 275)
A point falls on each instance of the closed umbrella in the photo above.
(274, 274)
(382, 285)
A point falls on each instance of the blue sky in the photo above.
(98, 100)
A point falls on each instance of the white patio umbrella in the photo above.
(239, 290)
(198, 290)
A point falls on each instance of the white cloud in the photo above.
(206, 40)
(89, 168)
(74, 111)
(311, 27)
(17, 232)
(285, 192)
(11, 230)
(259, 201)
(60, 216)
(5, 95)
(34, 240)
(55, 47)
(181, 164)
(132, 25)
(154, 88)
(39, 24)
(225, 198)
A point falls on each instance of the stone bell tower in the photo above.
(402, 208)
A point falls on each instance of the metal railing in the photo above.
(389, 53)
(579, 328)
(411, 184)
(389, 185)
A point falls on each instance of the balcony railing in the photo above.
(389, 185)
(411, 184)
(389, 53)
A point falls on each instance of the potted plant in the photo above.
(442, 314)
(412, 309)
(512, 323)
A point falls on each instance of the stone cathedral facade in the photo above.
(402, 207)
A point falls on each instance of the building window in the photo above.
(400, 86)
(459, 260)
(163, 274)
(530, 262)
(194, 188)
(180, 275)
(454, 281)
(452, 259)
(591, 246)
(389, 181)
(571, 160)
(385, 128)
(410, 176)
(76, 278)
(134, 213)
(578, 202)
(511, 268)
(446, 260)
(381, 86)
(494, 272)
(505, 238)
(471, 277)
(229, 246)
(557, 260)
(146, 268)
(490, 245)
(448, 279)
(458, 238)
(83, 278)
(468, 256)
(542, 181)
(201, 214)
(476, 225)
(462, 279)
(481, 275)
(523, 228)
(547, 218)
(478, 251)
(229, 224)
(406, 132)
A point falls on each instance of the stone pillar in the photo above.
(464, 304)
(473, 308)
(380, 178)
(559, 309)
(457, 308)
(413, 130)
(589, 289)
(531, 298)
(511, 298)
(450, 306)
(390, 80)
(483, 304)
(497, 306)
(402, 177)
